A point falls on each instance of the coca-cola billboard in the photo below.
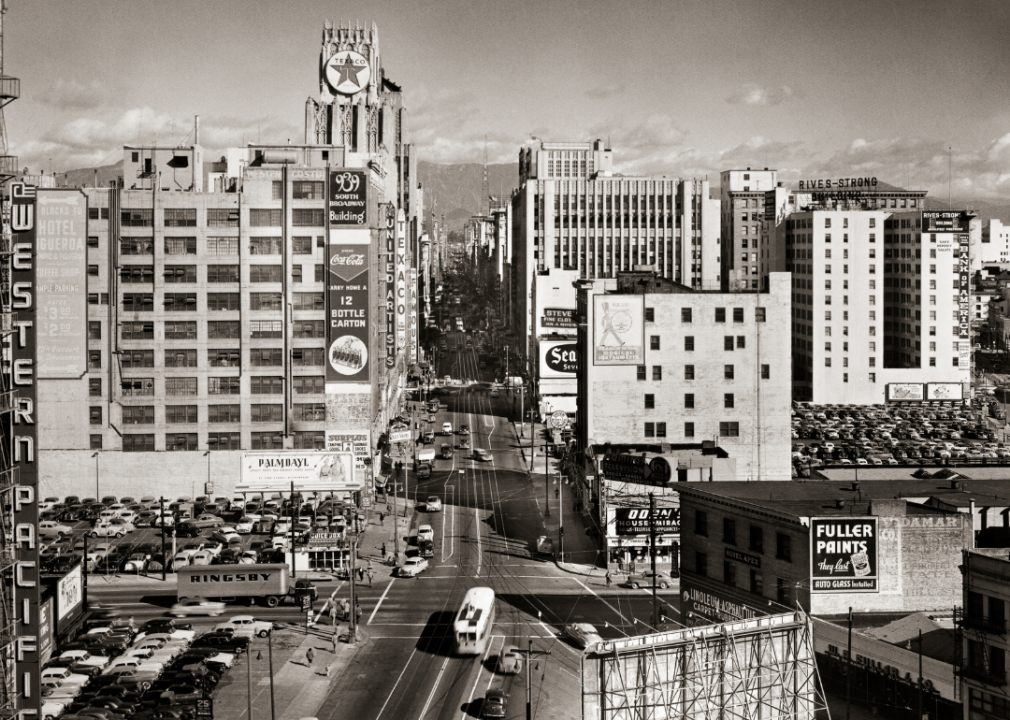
(347, 312)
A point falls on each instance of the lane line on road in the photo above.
(434, 688)
(396, 684)
(383, 597)
(490, 642)
(589, 589)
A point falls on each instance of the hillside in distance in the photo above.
(458, 190)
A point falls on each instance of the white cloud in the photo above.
(753, 94)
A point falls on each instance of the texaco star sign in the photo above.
(347, 72)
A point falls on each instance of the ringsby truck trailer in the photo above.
(266, 584)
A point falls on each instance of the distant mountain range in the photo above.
(457, 191)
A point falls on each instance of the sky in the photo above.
(902, 90)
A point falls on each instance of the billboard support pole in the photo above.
(164, 560)
(652, 558)
(848, 672)
(294, 573)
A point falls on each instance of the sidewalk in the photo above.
(581, 550)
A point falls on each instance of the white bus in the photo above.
(473, 623)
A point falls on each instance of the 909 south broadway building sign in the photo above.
(61, 234)
(618, 330)
(843, 554)
(347, 307)
(348, 198)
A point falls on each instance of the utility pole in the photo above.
(396, 527)
(294, 573)
(652, 557)
(164, 560)
(848, 672)
(561, 516)
(529, 676)
(354, 602)
(920, 675)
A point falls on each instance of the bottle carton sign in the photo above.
(843, 554)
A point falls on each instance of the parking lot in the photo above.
(896, 434)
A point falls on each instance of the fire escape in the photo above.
(977, 663)
(10, 90)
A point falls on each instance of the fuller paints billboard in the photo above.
(347, 307)
(618, 329)
(61, 237)
(559, 359)
(843, 554)
(309, 471)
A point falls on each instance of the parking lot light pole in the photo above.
(97, 493)
(164, 560)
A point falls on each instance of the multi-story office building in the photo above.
(994, 246)
(744, 260)
(214, 321)
(572, 217)
(983, 624)
(878, 300)
(659, 362)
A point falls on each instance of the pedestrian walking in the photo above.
(336, 633)
(382, 518)
(345, 606)
(383, 551)
(369, 577)
(610, 580)
(357, 612)
(309, 655)
(333, 616)
(361, 574)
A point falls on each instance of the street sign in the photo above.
(306, 602)
(558, 419)
(399, 434)
(205, 707)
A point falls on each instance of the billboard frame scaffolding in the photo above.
(762, 667)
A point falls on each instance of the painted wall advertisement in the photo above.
(843, 554)
(558, 318)
(559, 359)
(637, 521)
(19, 432)
(904, 392)
(698, 607)
(619, 329)
(348, 198)
(389, 243)
(355, 443)
(347, 307)
(69, 598)
(61, 237)
(46, 635)
(309, 471)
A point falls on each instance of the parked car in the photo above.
(247, 625)
(54, 528)
(644, 579)
(495, 704)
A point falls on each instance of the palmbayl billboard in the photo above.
(843, 554)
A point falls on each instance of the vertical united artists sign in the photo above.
(20, 432)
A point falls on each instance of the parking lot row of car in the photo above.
(115, 671)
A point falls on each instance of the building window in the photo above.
(180, 386)
(223, 329)
(267, 413)
(689, 372)
(729, 429)
(266, 357)
(267, 440)
(136, 387)
(264, 273)
(265, 246)
(759, 314)
(224, 358)
(782, 591)
(136, 246)
(650, 430)
(264, 217)
(95, 387)
(96, 442)
(685, 315)
(180, 246)
(224, 386)
(95, 414)
(179, 442)
(307, 190)
(138, 331)
(307, 357)
(650, 401)
(301, 245)
(319, 273)
(138, 443)
(222, 217)
(138, 415)
(738, 315)
(641, 372)
(727, 400)
(180, 273)
(308, 384)
(137, 217)
(650, 314)
(310, 412)
(179, 414)
(729, 573)
(756, 586)
(727, 342)
(720, 315)
(222, 301)
(130, 359)
(266, 385)
(783, 547)
(689, 400)
(701, 563)
(689, 429)
(727, 372)
(180, 302)
(701, 523)
(138, 302)
(180, 217)
(661, 429)
(657, 372)
(689, 343)
(265, 301)
(309, 440)
(307, 217)
(308, 301)
(766, 372)
(729, 531)
(654, 342)
(308, 329)
(224, 413)
(224, 441)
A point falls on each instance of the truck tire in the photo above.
(271, 601)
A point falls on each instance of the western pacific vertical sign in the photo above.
(389, 240)
(20, 434)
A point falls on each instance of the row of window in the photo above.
(687, 315)
(187, 302)
(227, 217)
(658, 429)
(221, 329)
(144, 274)
(175, 358)
(182, 414)
(182, 386)
(756, 578)
(300, 245)
(271, 440)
